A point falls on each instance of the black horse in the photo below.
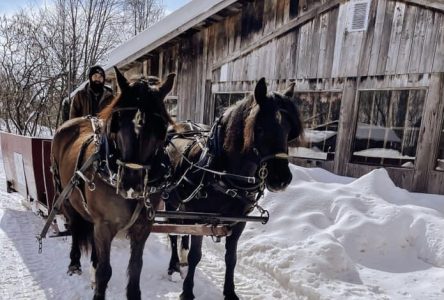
(112, 194)
(226, 172)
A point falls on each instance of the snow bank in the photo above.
(326, 231)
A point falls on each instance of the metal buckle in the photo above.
(251, 180)
(231, 192)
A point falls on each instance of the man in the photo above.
(93, 97)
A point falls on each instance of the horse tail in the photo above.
(81, 230)
(85, 233)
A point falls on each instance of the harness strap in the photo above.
(135, 215)
(63, 195)
(248, 179)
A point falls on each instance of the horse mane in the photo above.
(106, 112)
(240, 119)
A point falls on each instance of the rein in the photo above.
(226, 184)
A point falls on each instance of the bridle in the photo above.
(228, 183)
(149, 185)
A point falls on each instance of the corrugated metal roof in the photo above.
(166, 29)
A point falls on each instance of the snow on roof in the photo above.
(166, 29)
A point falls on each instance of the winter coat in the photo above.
(86, 102)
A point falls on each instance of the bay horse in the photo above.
(213, 174)
(112, 194)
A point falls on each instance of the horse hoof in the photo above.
(74, 270)
(184, 296)
(231, 297)
(174, 276)
(92, 274)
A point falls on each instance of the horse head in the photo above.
(272, 122)
(136, 124)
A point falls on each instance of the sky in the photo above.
(328, 237)
(10, 6)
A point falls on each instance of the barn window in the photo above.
(357, 18)
(171, 106)
(320, 112)
(388, 127)
(223, 100)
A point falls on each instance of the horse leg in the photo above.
(184, 249)
(231, 259)
(93, 264)
(174, 260)
(75, 254)
(103, 236)
(138, 234)
(81, 232)
(194, 257)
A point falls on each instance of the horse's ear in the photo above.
(260, 91)
(121, 80)
(166, 87)
(290, 90)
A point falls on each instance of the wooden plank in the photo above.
(279, 32)
(368, 39)
(430, 42)
(204, 230)
(339, 38)
(352, 55)
(407, 36)
(323, 38)
(395, 38)
(314, 52)
(418, 41)
(377, 38)
(331, 38)
(303, 63)
(385, 38)
(438, 60)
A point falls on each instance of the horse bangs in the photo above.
(241, 118)
(250, 122)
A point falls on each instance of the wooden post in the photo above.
(346, 130)
(429, 133)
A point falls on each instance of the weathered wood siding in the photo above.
(308, 41)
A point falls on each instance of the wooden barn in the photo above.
(369, 75)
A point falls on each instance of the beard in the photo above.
(97, 86)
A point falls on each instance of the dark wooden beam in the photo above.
(205, 230)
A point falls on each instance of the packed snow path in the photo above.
(25, 274)
(329, 237)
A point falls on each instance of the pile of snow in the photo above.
(333, 237)
(329, 237)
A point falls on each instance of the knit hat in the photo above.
(96, 69)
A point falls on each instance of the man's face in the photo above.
(97, 78)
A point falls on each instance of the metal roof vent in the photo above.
(358, 11)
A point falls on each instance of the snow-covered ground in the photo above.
(329, 237)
